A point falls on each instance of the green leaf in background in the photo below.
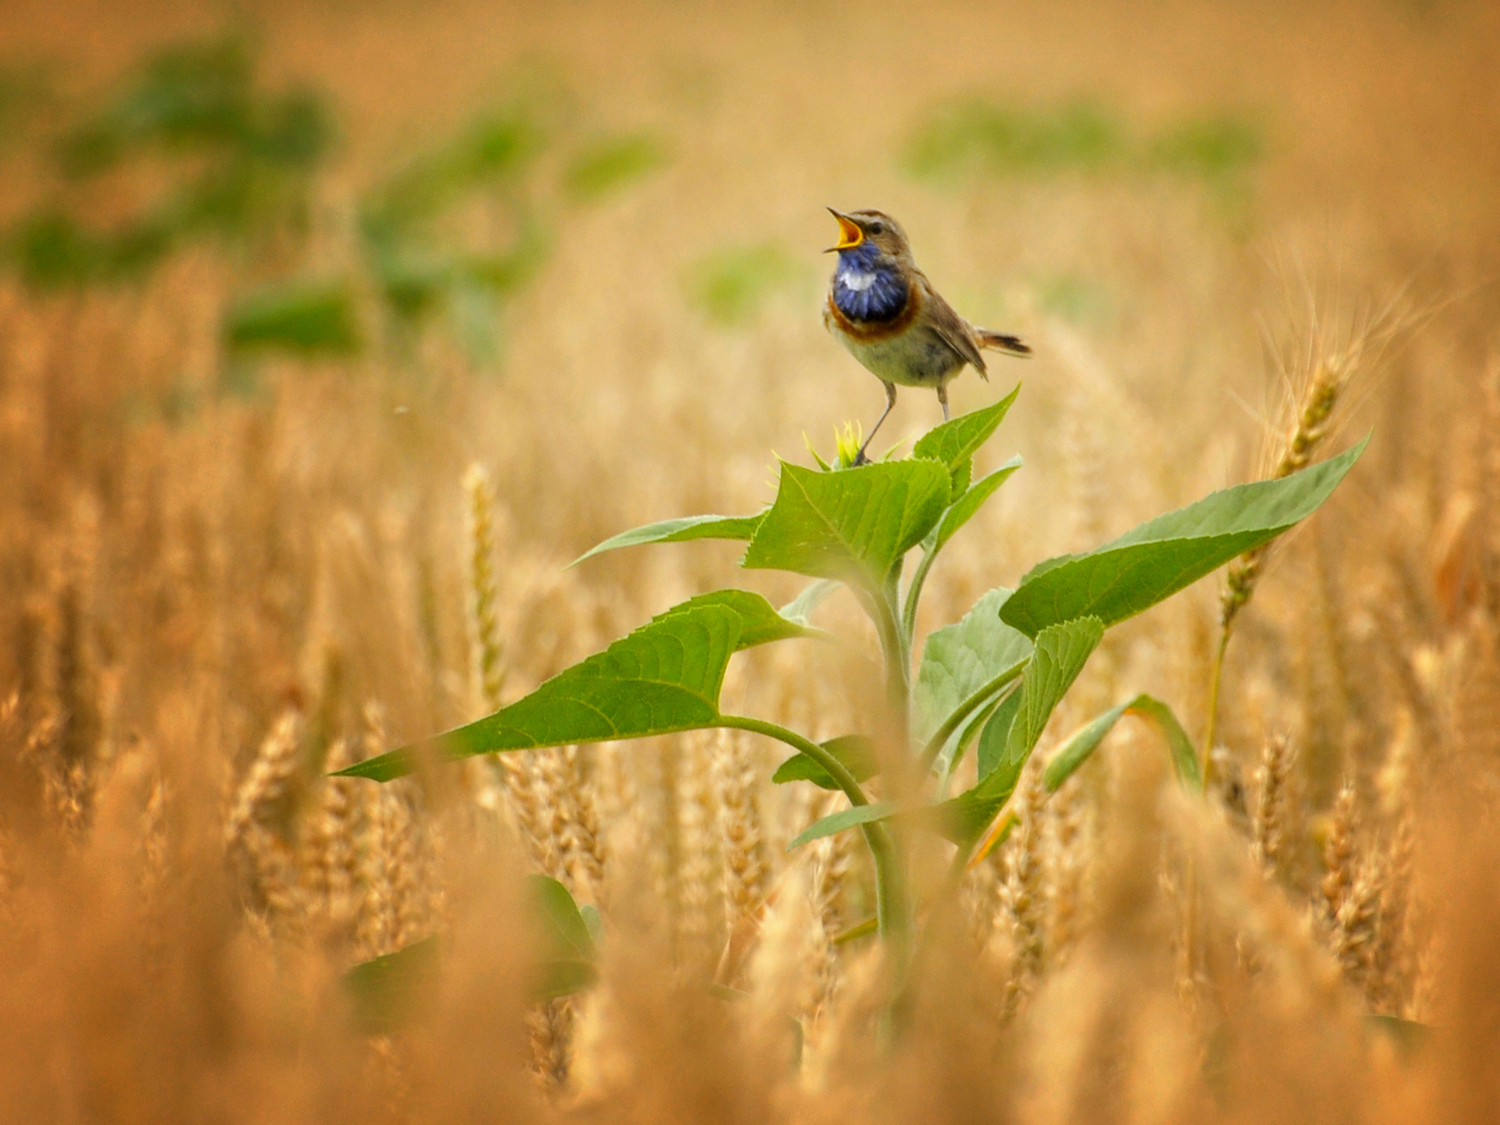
(854, 750)
(305, 318)
(960, 659)
(678, 531)
(1083, 742)
(610, 163)
(569, 958)
(663, 677)
(850, 525)
(955, 442)
(1156, 559)
(1212, 148)
(981, 137)
(843, 819)
(962, 510)
(559, 922)
(386, 991)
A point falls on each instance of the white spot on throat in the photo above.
(857, 280)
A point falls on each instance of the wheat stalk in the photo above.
(256, 832)
(1329, 379)
(1271, 825)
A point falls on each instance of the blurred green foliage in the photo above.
(1211, 148)
(610, 163)
(196, 97)
(1076, 299)
(225, 157)
(444, 240)
(730, 285)
(978, 138)
(310, 317)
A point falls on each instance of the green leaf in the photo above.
(996, 734)
(801, 608)
(850, 525)
(386, 990)
(961, 658)
(844, 818)
(1076, 749)
(962, 510)
(298, 317)
(854, 750)
(553, 979)
(678, 531)
(1061, 652)
(760, 623)
(559, 922)
(663, 677)
(568, 955)
(947, 761)
(1083, 742)
(955, 442)
(1155, 560)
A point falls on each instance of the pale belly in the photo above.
(916, 358)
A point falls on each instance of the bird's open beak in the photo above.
(850, 235)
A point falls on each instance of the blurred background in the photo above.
(308, 309)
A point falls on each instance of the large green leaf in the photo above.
(1157, 559)
(962, 510)
(961, 658)
(677, 531)
(851, 525)
(955, 442)
(855, 751)
(1083, 742)
(663, 677)
(1061, 652)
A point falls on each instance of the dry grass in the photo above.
(205, 611)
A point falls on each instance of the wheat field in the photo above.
(296, 446)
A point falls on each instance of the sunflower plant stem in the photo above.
(892, 913)
(914, 594)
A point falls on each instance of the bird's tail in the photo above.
(1010, 345)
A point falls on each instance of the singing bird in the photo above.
(885, 311)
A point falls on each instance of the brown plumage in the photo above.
(883, 309)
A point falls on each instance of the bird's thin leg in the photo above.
(890, 401)
(943, 398)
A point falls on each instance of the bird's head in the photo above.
(863, 231)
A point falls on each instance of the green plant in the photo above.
(235, 159)
(995, 676)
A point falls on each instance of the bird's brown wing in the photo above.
(951, 328)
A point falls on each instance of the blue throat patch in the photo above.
(867, 286)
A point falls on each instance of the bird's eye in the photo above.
(877, 228)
